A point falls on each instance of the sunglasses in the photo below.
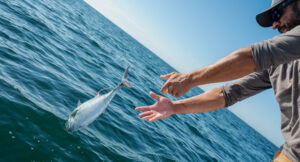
(276, 14)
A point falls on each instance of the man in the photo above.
(269, 64)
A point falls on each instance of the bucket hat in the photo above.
(264, 18)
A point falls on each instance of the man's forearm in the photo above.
(209, 101)
(236, 65)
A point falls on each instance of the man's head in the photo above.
(283, 15)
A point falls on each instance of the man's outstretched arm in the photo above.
(236, 65)
(163, 108)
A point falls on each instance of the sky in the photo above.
(191, 34)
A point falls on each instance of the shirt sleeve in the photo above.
(245, 87)
(278, 50)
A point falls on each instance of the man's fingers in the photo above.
(178, 94)
(145, 113)
(164, 88)
(171, 90)
(155, 96)
(166, 76)
(143, 108)
(148, 117)
(155, 117)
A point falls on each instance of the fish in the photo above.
(87, 112)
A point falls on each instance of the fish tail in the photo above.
(124, 79)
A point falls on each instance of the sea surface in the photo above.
(55, 52)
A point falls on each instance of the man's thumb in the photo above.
(155, 96)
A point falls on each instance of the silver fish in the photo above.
(89, 111)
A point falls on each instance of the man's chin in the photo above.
(282, 29)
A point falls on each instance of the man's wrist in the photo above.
(176, 107)
(193, 79)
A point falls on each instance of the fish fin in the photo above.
(124, 79)
(73, 114)
(78, 103)
(127, 85)
(125, 74)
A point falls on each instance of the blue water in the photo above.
(54, 52)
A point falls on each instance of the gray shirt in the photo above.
(277, 66)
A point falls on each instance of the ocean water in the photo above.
(54, 52)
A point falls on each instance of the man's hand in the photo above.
(177, 84)
(163, 108)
